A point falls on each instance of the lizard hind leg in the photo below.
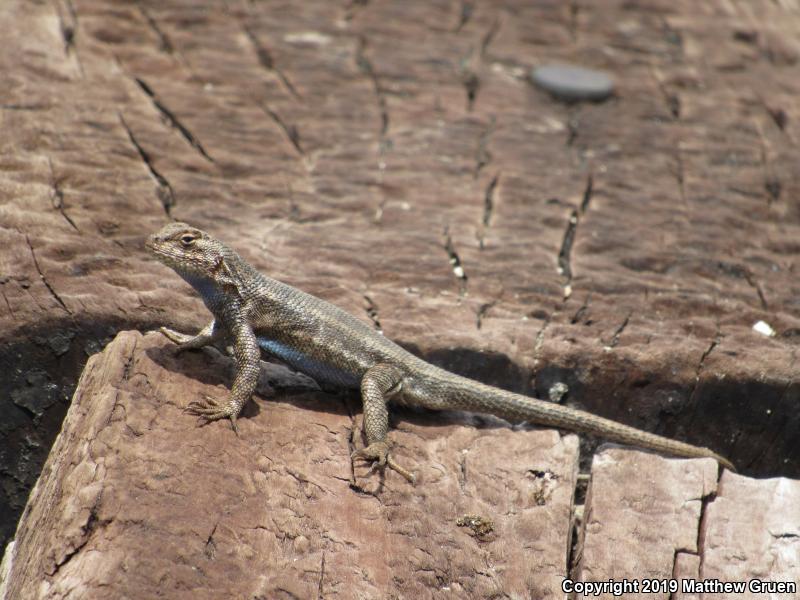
(378, 384)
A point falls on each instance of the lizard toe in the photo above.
(211, 410)
(378, 452)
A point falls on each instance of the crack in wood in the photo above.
(8, 304)
(462, 471)
(572, 130)
(701, 524)
(57, 196)
(93, 522)
(778, 116)
(172, 119)
(674, 37)
(294, 208)
(68, 26)
(575, 548)
(577, 523)
(582, 310)
(210, 548)
(488, 200)
(692, 402)
(164, 190)
(539, 343)
(773, 187)
(565, 251)
(587, 193)
(320, 589)
(482, 155)
(291, 132)
(674, 104)
(489, 36)
(465, 14)
(772, 183)
(366, 67)
(742, 272)
(165, 44)
(471, 83)
(455, 262)
(488, 209)
(68, 556)
(619, 331)
(483, 309)
(49, 287)
(753, 283)
(680, 175)
(372, 313)
(564, 260)
(672, 100)
(267, 61)
(302, 479)
(714, 343)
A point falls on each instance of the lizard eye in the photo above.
(187, 239)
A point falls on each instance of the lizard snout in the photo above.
(151, 241)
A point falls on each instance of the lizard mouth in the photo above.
(155, 247)
(156, 250)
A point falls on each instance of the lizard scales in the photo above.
(257, 313)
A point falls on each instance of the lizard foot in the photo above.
(378, 452)
(209, 410)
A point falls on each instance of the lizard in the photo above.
(255, 313)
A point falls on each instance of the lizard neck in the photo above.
(230, 281)
(209, 289)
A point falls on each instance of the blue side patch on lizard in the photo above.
(296, 359)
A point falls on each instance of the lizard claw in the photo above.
(378, 452)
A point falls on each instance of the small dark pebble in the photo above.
(568, 82)
(748, 36)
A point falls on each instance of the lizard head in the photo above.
(187, 250)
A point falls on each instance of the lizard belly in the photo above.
(320, 371)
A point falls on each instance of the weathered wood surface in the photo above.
(135, 502)
(693, 525)
(356, 148)
(130, 506)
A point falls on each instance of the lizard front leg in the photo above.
(377, 386)
(210, 334)
(247, 355)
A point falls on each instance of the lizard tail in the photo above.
(476, 397)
